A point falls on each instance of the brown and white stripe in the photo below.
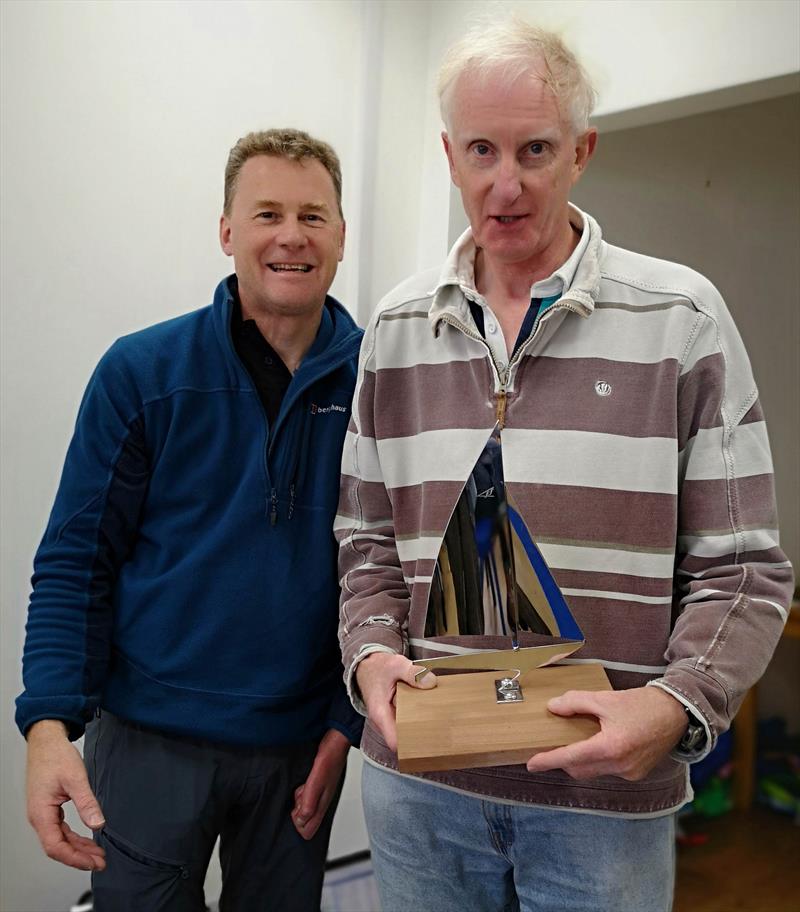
(635, 449)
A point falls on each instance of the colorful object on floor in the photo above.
(714, 799)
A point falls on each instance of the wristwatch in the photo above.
(695, 735)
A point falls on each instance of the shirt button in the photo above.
(492, 327)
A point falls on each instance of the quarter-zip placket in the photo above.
(504, 374)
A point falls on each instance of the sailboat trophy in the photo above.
(491, 584)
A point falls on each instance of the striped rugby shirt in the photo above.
(634, 447)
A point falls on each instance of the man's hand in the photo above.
(56, 774)
(637, 728)
(313, 797)
(377, 678)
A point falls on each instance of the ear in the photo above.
(341, 240)
(225, 235)
(584, 150)
(448, 151)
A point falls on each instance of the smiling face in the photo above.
(515, 158)
(285, 235)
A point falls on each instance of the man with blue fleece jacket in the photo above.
(185, 593)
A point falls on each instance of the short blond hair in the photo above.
(515, 47)
(295, 145)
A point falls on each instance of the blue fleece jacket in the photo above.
(187, 577)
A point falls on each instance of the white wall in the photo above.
(117, 120)
(392, 135)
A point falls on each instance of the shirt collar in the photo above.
(560, 282)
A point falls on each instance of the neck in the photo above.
(290, 335)
(512, 281)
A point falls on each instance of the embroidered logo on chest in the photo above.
(326, 409)
(602, 388)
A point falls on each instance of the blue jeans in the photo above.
(436, 850)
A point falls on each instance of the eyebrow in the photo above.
(544, 135)
(304, 207)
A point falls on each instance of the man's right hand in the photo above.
(377, 678)
(56, 774)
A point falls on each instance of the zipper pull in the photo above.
(273, 508)
(291, 500)
(500, 412)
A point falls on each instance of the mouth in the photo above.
(507, 219)
(290, 267)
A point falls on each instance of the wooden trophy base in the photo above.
(460, 724)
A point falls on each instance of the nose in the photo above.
(507, 185)
(291, 233)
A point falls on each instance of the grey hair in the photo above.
(515, 47)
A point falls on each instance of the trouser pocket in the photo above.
(136, 880)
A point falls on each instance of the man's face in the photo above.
(514, 158)
(285, 235)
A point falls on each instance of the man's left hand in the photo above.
(637, 728)
(313, 797)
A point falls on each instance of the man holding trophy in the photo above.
(603, 402)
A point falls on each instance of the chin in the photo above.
(511, 251)
(295, 307)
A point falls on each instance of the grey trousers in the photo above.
(166, 800)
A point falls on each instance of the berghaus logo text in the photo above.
(326, 409)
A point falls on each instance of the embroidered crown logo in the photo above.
(602, 388)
